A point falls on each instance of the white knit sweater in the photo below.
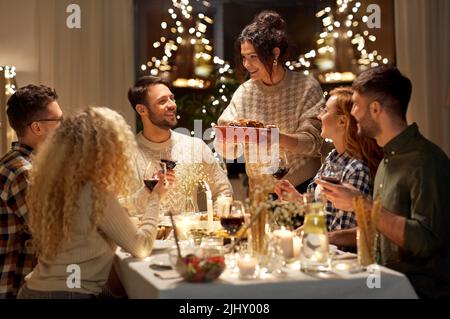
(293, 106)
(192, 156)
(92, 248)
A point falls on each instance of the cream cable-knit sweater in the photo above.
(185, 150)
(293, 105)
(93, 248)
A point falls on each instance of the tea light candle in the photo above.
(247, 266)
(183, 227)
(342, 267)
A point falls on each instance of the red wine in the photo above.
(331, 179)
(151, 183)
(281, 172)
(232, 224)
(169, 163)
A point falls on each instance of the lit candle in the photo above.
(220, 203)
(223, 204)
(342, 267)
(209, 207)
(286, 242)
(209, 204)
(247, 266)
(184, 226)
(297, 243)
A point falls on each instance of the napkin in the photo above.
(344, 255)
(166, 274)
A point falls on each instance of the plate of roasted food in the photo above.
(245, 131)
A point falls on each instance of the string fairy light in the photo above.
(9, 73)
(8, 80)
(184, 29)
(333, 29)
(183, 26)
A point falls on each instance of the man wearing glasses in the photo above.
(33, 113)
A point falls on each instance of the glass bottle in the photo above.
(314, 251)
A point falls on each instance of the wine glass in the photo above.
(332, 173)
(280, 171)
(233, 218)
(151, 176)
(167, 159)
(283, 166)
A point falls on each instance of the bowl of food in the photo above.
(198, 264)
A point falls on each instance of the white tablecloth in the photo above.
(140, 282)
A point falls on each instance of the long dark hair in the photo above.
(266, 32)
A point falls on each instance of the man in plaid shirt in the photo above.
(33, 113)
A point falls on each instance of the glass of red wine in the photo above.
(332, 173)
(233, 218)
(283, 167)
(151, 176)
(167, 159)
(170, 164)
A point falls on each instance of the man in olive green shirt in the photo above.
(413, 181)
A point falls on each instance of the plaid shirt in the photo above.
(16, 256)
(355, 173)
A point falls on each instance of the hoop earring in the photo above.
(275, 62)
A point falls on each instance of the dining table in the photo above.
(140, 281)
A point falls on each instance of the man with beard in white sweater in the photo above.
(155, 103)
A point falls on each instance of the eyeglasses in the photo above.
(61, 119)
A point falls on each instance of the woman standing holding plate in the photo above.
(273, 95)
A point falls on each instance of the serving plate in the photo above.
(239, 134)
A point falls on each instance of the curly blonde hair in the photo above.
(95, 146)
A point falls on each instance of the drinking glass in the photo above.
(332, 173)
(283, 166)
(167, 158)
(233, 218)
(151, 176)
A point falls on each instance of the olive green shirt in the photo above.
(413, 180)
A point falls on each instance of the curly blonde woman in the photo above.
(75, 217)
